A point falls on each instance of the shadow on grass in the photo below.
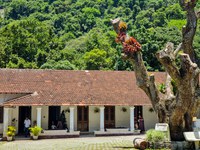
(123, 147)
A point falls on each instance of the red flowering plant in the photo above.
(130, 44)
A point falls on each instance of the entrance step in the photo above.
(86, 133)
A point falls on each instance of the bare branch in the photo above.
(187, 66)
(189, 30)
(153, 90)
(144, 81)
(178, 49)
(197, 71)
(140, 71)
(169, 89)
(197, 96)
(167, 59)
(115, 23)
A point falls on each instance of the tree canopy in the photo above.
(68, 33)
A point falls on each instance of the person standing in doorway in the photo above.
(141, 124)
(27, 124)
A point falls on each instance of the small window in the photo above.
(1, 114)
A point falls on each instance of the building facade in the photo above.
(91, 100)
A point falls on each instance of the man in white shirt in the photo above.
(27, 123)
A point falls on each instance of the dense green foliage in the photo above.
(77, 34)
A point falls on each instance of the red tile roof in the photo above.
(65, 87)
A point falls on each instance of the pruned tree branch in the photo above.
(187, 66)
(178, 49)
(167, 59)
(144, 81)
(132, 52)
(189, 30)
(169, 89)
(140, 71)
(115, 23)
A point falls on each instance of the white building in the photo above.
(92, 100)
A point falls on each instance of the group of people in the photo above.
(27, 125)
(59, 125)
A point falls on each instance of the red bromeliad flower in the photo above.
(130, 44)
(120, 37)
(134, 42)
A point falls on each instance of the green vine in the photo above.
(162, 88)
(174, 85)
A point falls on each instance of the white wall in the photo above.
(94, 119)
(13, 114)
(75, 117)
(122, 119)
(33, 114)
(67, 115)
(150, 118)
(45, 116)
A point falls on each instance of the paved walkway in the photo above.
(82, 143)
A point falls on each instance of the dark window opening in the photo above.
(1, 114)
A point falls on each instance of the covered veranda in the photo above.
(38, 93)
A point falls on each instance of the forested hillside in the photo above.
(77, 34)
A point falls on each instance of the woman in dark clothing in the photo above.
(141, 124)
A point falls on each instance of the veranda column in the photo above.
(71, 126)
(132, 118)
(5, 120)
(102, 118)
(39, 116)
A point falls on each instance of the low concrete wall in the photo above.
(115, 130)
(50, 134)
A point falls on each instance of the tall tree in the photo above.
(179, 102)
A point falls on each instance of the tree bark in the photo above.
(140, 143)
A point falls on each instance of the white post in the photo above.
(39, 116)
(5, 120)
(132, 119)
(102, 118)
(71, 126)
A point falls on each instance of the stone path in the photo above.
(82, 143)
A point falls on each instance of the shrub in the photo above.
(155, 136)
(35, 130)
(11, 131)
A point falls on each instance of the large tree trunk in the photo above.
(178, 104)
